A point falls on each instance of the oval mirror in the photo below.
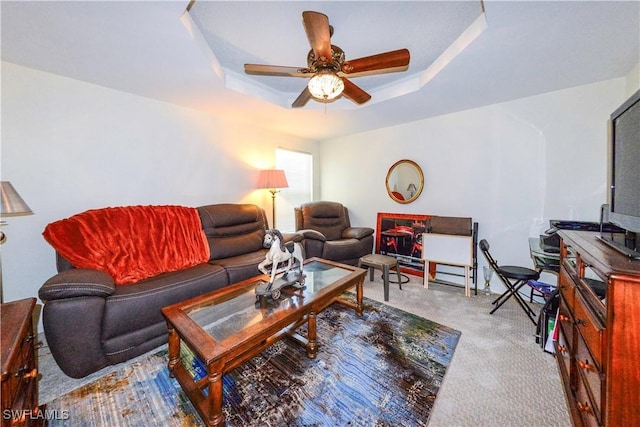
(404, 181)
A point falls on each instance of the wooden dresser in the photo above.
(19, 369)
(598, 347)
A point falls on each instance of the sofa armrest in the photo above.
(356, 232)
(293, 237)
(77, 283)
(312, 234)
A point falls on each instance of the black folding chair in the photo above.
(514, 278)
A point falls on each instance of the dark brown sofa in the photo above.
(90, 323)
(328, 233)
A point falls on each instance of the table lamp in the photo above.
(412, 189)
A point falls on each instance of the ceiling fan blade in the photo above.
(302, 99)
(396, 60)
(317, 27)
(275, 70)
(354, 92)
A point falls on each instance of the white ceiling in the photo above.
(362, 29)
(154, 49)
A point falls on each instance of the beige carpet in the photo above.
(499, 376)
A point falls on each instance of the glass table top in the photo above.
(225, 318)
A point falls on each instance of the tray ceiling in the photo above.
(157, 50)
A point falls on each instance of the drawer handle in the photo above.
(586, 365)
(562, 348)
(32, 374)
(24, 372)
(19, 420)
(580, 322)
(563, 318)
(34, 413)
(584, 407)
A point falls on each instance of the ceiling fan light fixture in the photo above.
(325, 85)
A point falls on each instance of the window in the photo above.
(298, 167)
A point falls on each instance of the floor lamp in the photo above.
(274, 180)
(12, 205)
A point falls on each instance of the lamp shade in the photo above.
(272, 178)
(12, 203)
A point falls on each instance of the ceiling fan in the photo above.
(327, 67)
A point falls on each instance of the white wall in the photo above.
(633, 80)
(68, 146)
(510, 166)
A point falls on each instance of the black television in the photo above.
(624, 177)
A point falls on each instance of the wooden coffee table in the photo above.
(229, 326)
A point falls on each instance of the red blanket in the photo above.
(131, 243)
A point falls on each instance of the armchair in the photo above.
(329, 235)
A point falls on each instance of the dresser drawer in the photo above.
(21, 370)
(563, 352)
(19, 373)
(567, 289)
(565, 321)
(585, 406)
(590, 329)
(589, 375)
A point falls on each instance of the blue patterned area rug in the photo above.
(382, 369)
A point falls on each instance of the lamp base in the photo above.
(273, 192)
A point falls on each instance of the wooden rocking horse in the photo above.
(278, 253)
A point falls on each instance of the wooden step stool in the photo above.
(384, 263)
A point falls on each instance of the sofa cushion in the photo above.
(144, 300)
(241, 267)
(232, 229)
(131, 243)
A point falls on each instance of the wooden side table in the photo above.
(19, 368)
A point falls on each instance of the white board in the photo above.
(447, 249)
